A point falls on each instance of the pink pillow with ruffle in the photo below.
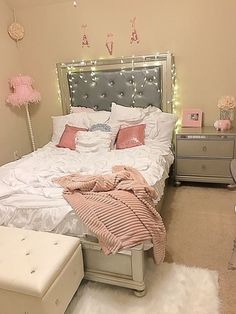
(130, 136)
(67, 139)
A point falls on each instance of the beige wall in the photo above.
(199, 33)
(13, 128)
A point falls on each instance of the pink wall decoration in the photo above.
(110, 43)
(85, 42)
(134, 35)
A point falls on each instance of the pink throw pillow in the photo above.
(67, 139)
(130, 136)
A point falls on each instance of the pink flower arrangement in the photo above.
(226, 103)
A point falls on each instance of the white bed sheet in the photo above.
(29, 199)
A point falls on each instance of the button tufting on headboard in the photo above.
(86, 92)
(136, 81)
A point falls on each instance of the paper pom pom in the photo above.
(16, 31)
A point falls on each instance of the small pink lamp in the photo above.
(22, 95)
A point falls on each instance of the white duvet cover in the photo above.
(29, 199)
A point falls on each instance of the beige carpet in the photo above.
(201, 228)
(171, 289)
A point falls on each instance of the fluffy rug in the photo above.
(171, 289)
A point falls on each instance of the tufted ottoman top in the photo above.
(30, 261)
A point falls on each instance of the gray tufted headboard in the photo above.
(129, 81)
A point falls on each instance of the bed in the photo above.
(28, 197)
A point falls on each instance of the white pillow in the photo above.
(92, 142)
(127, 116)
(159, 125)
(97, 117)
(80, 120)
(166, 123)
(73, 119)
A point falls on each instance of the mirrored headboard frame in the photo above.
(161, 63)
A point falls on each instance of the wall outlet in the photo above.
(16, 155)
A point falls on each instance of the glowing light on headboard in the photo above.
(175, 98)
(92, 64)
(89, 71)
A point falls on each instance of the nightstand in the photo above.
(204, 155)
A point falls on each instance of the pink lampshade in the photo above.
(22, 91)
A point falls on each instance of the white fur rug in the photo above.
(171, 289)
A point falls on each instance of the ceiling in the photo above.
(16, 4)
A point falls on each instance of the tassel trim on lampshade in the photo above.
(22, 91)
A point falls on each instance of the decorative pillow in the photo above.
(107, 128)
(92, 142)
(126, 116)
(100, 126)
(159, 125)
(79, 120)
(67, 139)
(130, 136)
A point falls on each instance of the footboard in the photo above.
(125, 269)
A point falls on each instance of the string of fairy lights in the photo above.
(175, 95)
(128, 72)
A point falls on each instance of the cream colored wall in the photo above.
(199, 33)
(13, 128)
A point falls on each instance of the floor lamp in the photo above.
(23, 94)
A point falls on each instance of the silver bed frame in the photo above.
(129, 81)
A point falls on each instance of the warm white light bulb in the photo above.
(75, 3)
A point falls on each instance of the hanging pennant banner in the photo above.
(110, 43)
(85, 42)
(134, 35)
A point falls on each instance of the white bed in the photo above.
(29, 199)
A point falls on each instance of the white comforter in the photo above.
(28, 198)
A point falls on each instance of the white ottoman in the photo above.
(39, 271)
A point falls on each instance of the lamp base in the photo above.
(30, 127)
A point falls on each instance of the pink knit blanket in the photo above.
(118, 208)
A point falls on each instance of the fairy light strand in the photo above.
(72, 69)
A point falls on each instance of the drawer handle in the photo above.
(203, 167)
(204, 148)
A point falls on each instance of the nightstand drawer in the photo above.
(203, 167)
(201, 148)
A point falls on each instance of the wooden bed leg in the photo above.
(140, 294)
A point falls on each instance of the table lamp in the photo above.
(23, 94)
